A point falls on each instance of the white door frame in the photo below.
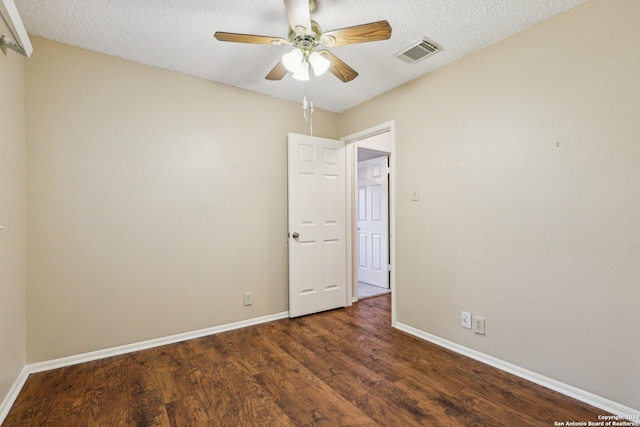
(352, 143)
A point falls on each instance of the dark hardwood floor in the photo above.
(339, 368)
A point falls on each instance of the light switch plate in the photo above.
(478, 325)
(248, 298)
(415, 195)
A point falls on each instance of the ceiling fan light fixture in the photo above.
(319, 63)
(303, 72)
(292, 60)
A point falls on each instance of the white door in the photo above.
(317, 225)
(373, 222)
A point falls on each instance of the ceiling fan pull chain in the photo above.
(311, 118)
(310, 113)
(305, 108)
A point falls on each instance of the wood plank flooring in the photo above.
(339, 368)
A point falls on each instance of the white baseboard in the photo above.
(143, 345)
(11, 397)
(576, 393)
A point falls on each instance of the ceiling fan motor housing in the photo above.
(306, 41)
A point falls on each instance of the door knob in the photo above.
(295, 234)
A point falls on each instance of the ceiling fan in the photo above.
(306, 35)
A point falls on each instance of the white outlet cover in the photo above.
(466, 320)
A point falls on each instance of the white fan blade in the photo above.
(299, 15)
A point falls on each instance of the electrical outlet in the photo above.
(248, 297)
(478, 325)
(466, 320)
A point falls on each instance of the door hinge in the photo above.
(389, 267)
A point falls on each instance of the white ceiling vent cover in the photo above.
(419, 50)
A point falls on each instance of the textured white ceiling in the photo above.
(178, 35)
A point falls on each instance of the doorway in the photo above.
(372, 223)
(381, 141)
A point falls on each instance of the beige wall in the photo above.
(527, 158)
(12, 218)
(155, 200)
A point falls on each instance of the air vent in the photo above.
(418, 51)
